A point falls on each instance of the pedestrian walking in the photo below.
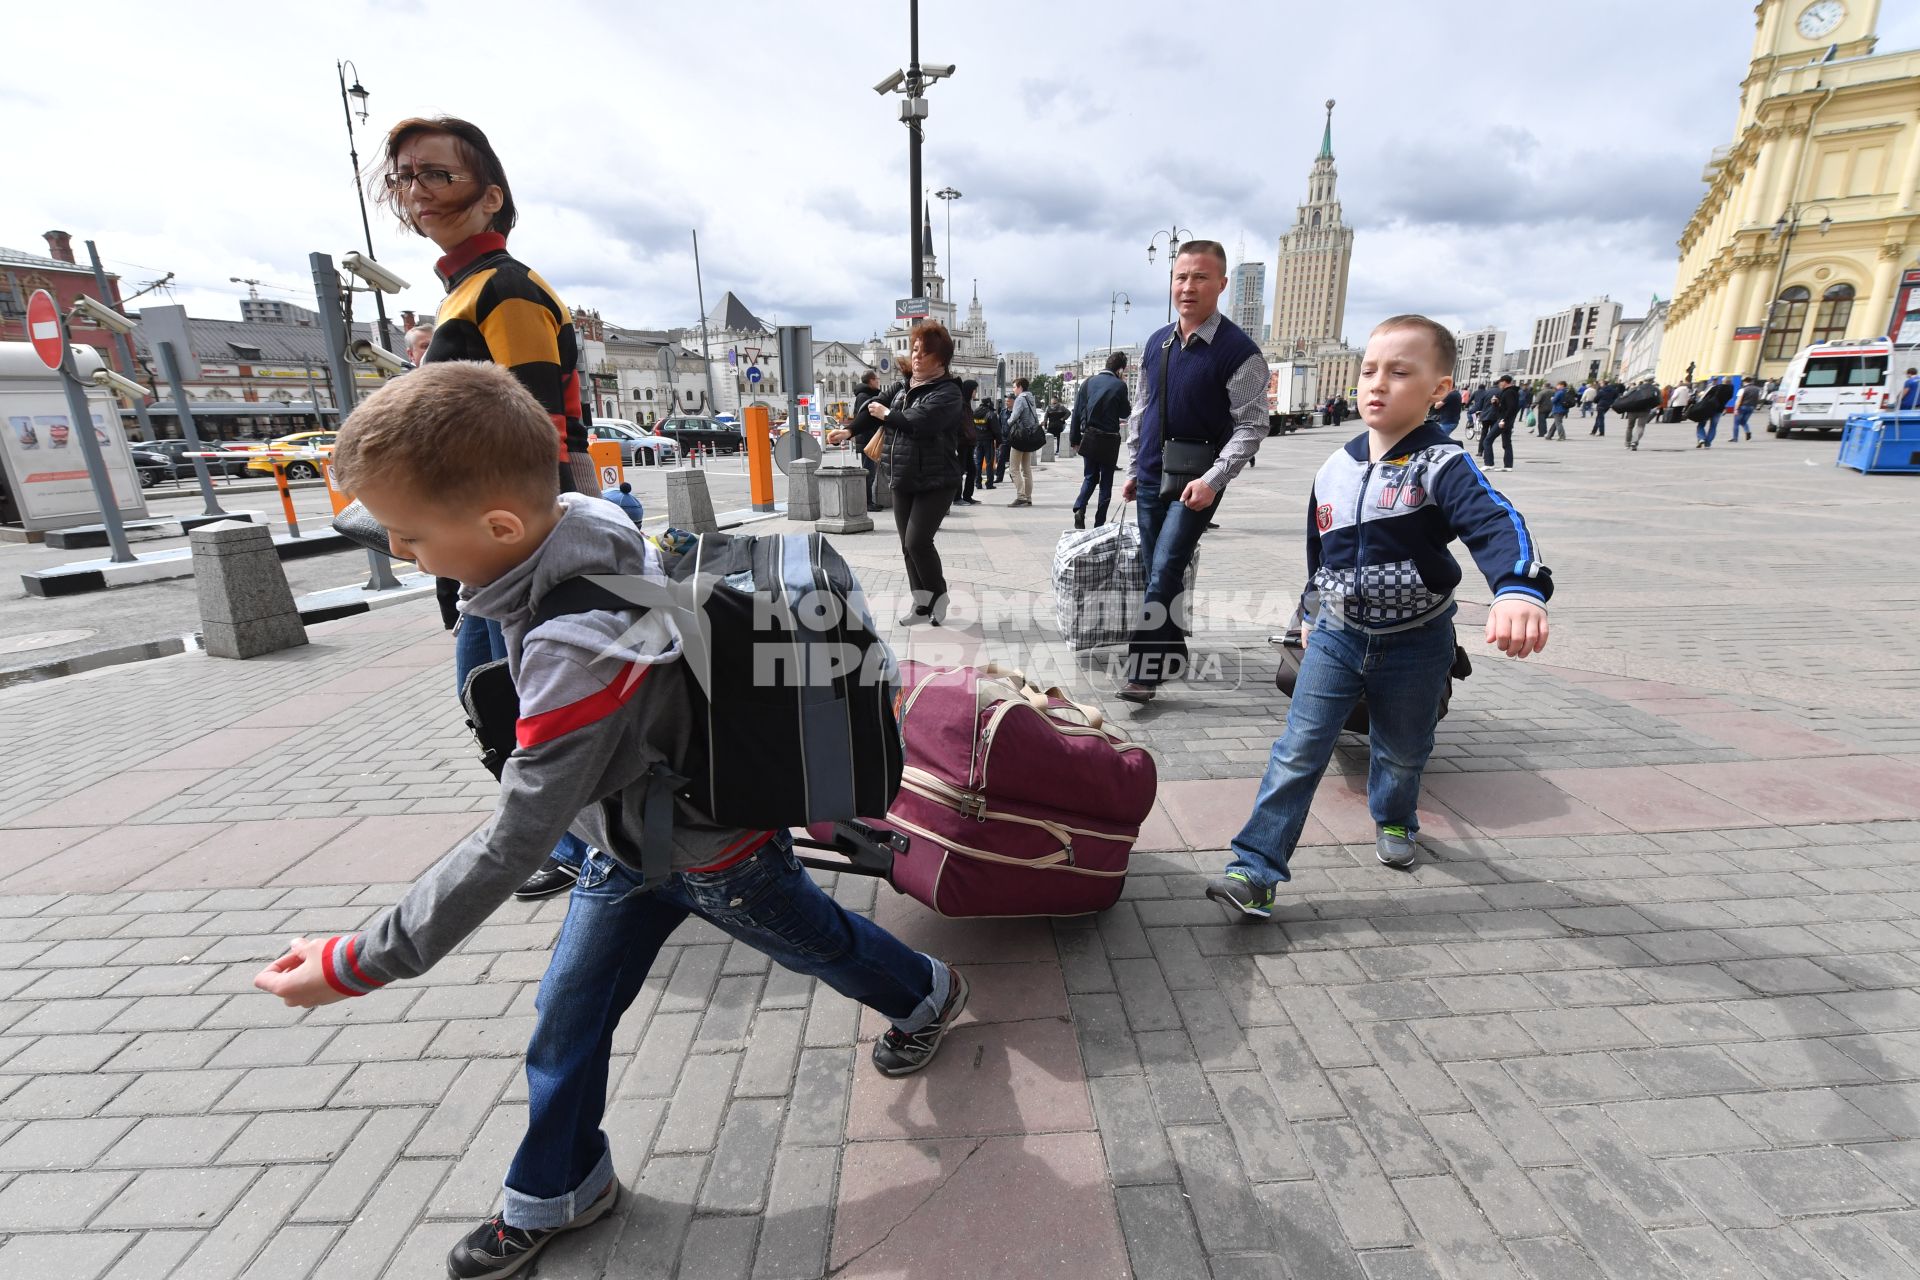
(1706, 412)
(1559, 406)
(1100, 413)
(1504, 406)
(1543, 410)
(986, 450)
(970, 426)
(1202, 416)
(1026, 433)
(1910, 391)
(920, 427)
(1743, 409)
(1678, 402)
(1056, 423)
(1476, 409)
(444, 181)
(860, 428)
(1589, 397)
(1603, 400)
(1637, 407)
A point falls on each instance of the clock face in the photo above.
(1817, 20)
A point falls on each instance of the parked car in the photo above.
(227, 460)
(638, 447)
(296, 468)
(152, 465)
(703, 433)
(1829, 382)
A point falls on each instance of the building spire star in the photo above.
(1326, 139)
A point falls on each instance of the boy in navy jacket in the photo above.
(1379, 606)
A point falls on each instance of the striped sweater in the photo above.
(499, 311)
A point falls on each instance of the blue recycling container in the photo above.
(1882, 443)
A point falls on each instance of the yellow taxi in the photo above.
(297, 468)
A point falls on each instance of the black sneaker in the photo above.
(899, 1054)
(553, 877)
(494, 1249)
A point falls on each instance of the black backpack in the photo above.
(793, 688)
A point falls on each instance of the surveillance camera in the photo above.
(99, 313)
(891, 83)
(378, 356)
(120, 385)
(372, 273)
(936, 70)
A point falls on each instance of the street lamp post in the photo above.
(1175, 237)
(1788, 224)
(910, 84)
(359, 96)
(1123, 300)
(946, 196)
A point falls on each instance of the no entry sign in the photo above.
(43, 328)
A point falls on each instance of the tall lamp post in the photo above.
(910, 84)
(1121, 299)
(1788, 224)
(352, 100)
(946, 196)
(1175, 237)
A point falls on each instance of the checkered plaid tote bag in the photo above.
(1100, 583)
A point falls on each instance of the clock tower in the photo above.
(1791, 33)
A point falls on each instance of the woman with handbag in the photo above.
(444, 181)
(920, 428)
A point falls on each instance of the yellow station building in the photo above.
(1811, 219)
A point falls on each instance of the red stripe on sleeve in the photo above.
(531, 731)
(353, 962)
(327, 963)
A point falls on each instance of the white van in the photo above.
(1829, 382)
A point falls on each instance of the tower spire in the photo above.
(926, 234)
(1326, 139)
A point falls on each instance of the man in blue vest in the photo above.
(1201, 418)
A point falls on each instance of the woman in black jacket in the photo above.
(860, 428)
(921, 419)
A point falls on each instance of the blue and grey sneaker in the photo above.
(1395, 847)
(1242, 894)
(898, 1053)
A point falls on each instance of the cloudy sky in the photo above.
(1497, 160)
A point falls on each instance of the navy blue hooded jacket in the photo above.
(1377, 534)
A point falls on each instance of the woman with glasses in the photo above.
(444, 182)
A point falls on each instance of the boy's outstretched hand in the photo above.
(1517, 627)
(296, 978)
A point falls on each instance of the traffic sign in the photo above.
(43, 327)
(753, 374)
(1748, 333)
(911, 309)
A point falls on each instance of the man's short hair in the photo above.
(1021, 383)
(970, 387)
(1116, 362)
(871, 375)
(425, 327)
(454, 432)
(934, 340)
(1213, 247)
(1444, 345)
(1506, 379)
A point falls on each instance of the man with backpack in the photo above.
(1100, 413)
(605, 717)
(1056, 423)
(1025, 436)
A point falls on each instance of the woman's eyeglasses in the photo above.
(429, 179)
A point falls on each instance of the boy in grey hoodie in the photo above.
(456, 461)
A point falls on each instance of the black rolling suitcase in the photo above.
(1293, 651)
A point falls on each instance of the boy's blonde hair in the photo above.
(1444, 345)
(453, 433)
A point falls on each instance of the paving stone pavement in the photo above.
(1647, 1008)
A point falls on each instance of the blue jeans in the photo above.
(1704, 431)
(1740, 417)
(1169, 532)
(476, 642)
(1402, 675)
(612, 933)
(1094, 475)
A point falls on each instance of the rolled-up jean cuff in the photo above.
(532, 1214)
(929, 1009)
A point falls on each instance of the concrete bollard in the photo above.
(689, 506)
(803, 490)
(246, 606)
(843, 500)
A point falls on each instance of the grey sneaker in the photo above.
(1394, 846)
(1243, 895)
(896, 1053)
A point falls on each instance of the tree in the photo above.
(1047, 388)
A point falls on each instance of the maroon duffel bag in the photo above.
(1018, 801)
